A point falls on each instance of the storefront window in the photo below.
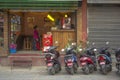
(1, 30)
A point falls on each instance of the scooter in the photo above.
(53, 65)
(104, 59)
(70, 59)
(70, 64)
(87, 63)
(117, 55)
(118, 64)
(104, 63)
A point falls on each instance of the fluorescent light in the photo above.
(50, 17)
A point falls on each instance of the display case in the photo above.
(15, 27)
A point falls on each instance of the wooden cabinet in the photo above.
(63, 36)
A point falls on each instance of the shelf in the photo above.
(63, 30)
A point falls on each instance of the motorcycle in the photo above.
(70, 59)
(118, 64)
(71, 65)
(104, 64)
(117, 55)
(53, 65)
(104, 59)
(87, 63)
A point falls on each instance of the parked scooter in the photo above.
(104, 60)
(117, 55)
(88, 61)
(70, 59)
(51, 58)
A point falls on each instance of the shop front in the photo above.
(57, 20)
(22, 23)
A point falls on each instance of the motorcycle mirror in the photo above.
(107, 43)
(95, 50)
(80, 49)
(62, 50)
(93, 43)
(87, 42)
(74, 43)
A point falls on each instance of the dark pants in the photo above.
(34, 44)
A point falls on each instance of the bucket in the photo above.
(12, 51)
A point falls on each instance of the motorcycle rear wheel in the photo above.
(51, 71)
(91, 68)
(75, 68)
(57, 68)
(71, 71)
(103, 69)
(86, 69)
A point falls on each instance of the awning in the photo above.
(40, 4)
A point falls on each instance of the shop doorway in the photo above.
(21, 26)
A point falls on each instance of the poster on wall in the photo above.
(30, 21)
(47, 41)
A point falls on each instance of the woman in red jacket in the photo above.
(36, 42)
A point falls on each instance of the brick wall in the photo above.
(4, 51)
(82, 23)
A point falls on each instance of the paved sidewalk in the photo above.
(33, 69)
(40, 73)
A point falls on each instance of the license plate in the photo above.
(83, 64)
(102, 62)
(49, 64)
(69, 64)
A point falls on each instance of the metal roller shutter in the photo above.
(104, 25)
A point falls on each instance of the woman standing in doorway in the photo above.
(36, 42)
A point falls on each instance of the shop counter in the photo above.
(62, 37)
